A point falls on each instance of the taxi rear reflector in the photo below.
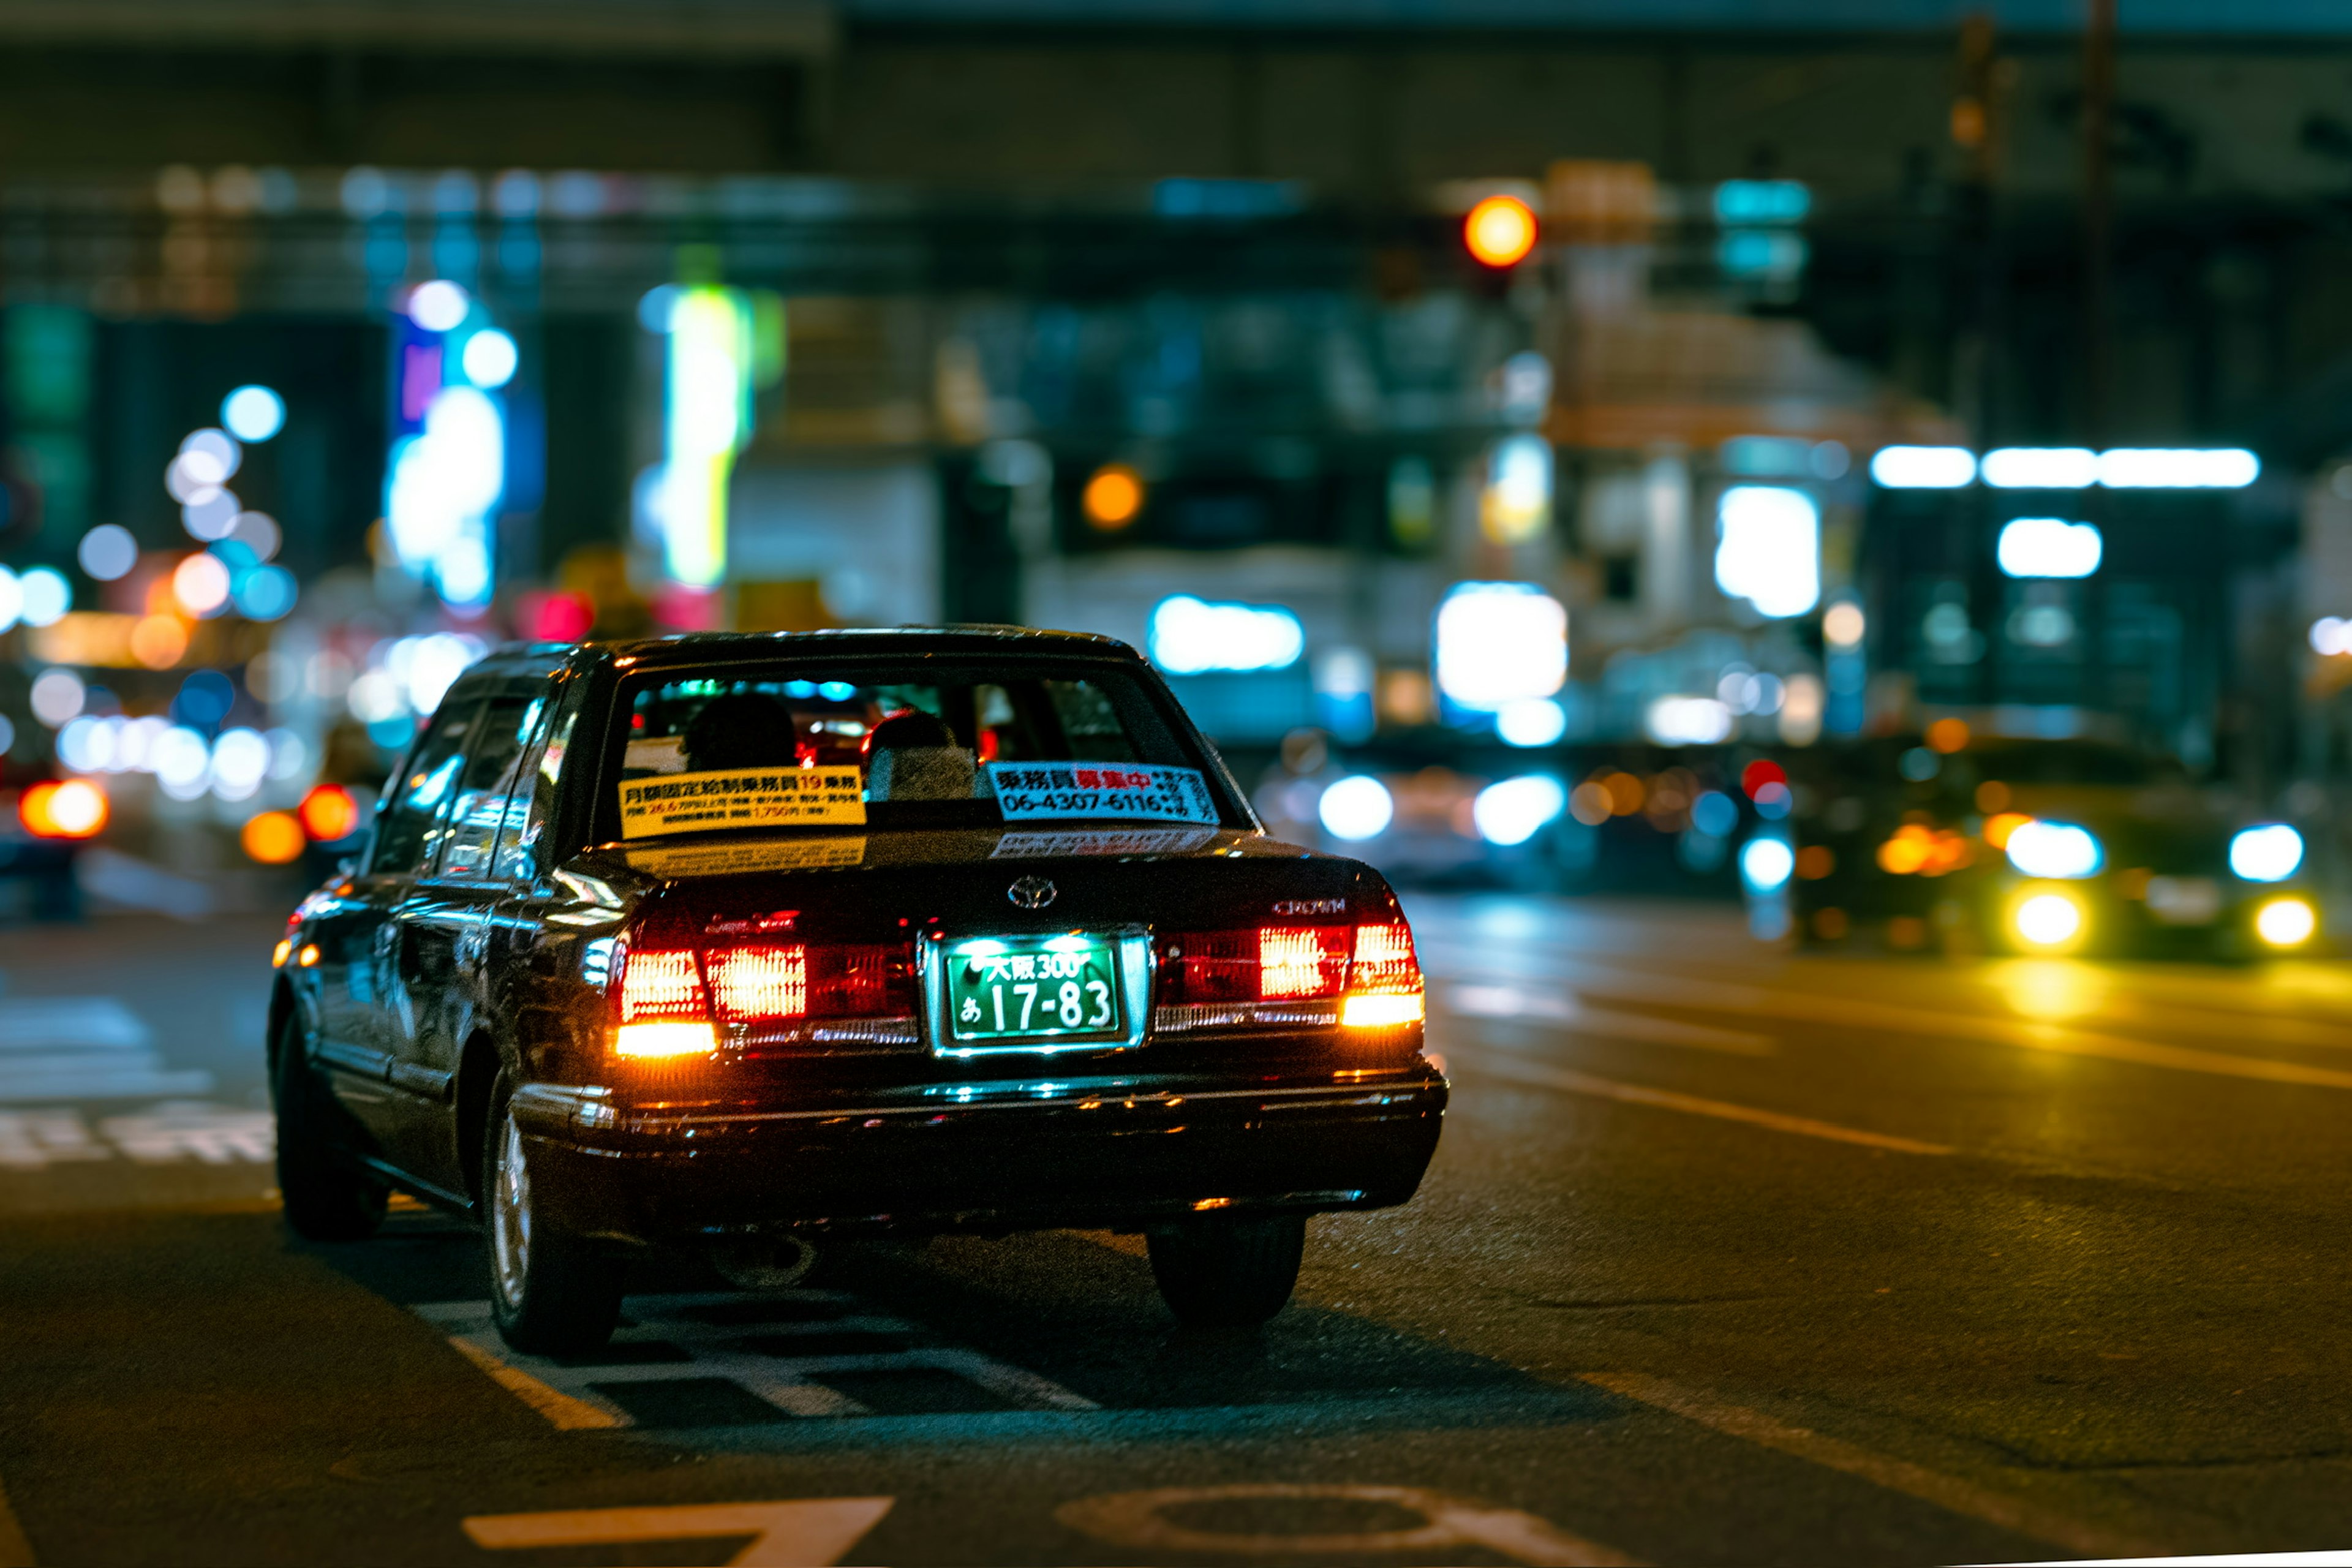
(672, 1004)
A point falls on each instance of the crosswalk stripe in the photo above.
(83, 1048)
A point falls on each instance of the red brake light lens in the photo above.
(761, 982)
(661, 985)
(1385, 961)
(1301, 961)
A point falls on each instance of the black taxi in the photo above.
(744, 941)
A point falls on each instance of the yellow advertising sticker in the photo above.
(776, 798)
(730, 859)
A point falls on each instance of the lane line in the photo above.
(2018, 1033)
(1947, 1492)
(806, 1533)
(1562, 1007)
(16, 1552)
(1569, 1081)
(561, 1410)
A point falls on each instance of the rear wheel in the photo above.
(1221, 1273)
(325, 1198)
(551, 1293)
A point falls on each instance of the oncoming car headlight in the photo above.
(2054, 849)
(2266, 854)
(2285, 922)
(2050, 919)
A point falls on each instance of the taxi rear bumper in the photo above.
(975, 1158)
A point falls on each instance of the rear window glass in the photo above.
(919, 744)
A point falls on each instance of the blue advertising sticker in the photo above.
(1132, 792)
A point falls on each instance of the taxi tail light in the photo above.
(759, 982)
(1270, 963)
(665, 1009)
(1384, 984)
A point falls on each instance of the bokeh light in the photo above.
(56, 697)
(108, 552)
(253, 413)
(439, 306)
(1113, 496)
(44, 596)
(273, 838)
(490, 358)
(1500, 231)
(201, 584)
(1356, 808)
(330, 813)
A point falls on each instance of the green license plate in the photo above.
(1032, 988)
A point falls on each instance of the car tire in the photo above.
(325, 1198)
(551, 1293)
(1220, 1273)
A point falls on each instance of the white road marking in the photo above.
(16, 1552)
(809, 1532)
(1138, 1521)
(794, 1383)
(1569, 1081)
(1947, 1492)
(82, 1048)
(1566, 1007)
(165, 1134)
(2024, 1034)
(214, 1134)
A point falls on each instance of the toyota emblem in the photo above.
(1032, 892)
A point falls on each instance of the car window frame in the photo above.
(474, 691)
(538, 688)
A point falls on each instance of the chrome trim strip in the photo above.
(357, 1060)
(1303, 1099)
(1186, 1017)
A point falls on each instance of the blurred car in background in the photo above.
(1997, 845)
(1436, 808)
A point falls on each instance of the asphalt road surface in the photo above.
(1728, 1255)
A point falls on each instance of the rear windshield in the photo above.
(914, 743)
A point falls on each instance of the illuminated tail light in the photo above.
(664, 1010)
(1384, 984)
(761, 982)
(1301, 961)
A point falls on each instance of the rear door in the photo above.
(442, 926)
(365, 1007)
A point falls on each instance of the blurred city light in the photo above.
(208, 456)
(2285, 922)
(1190, 637)
(2155, 468)
(1498, 643)
(2331, 634)
(200, 583)
(1531, 721)
(1516, 810)
(1922, 467)
(181, 763)
(2269, 853)
(1681, 721)
(1769, 551)
(1762, 202)
(107, 551)
(253, 414)
(490, 358)
(2040, 467)
(708, 394)
(1714, 814)
(2058, 850)
(264, 593)
(1356, 808)
(2048, 547)
(1842, 624)
(272, 837)
(1500, 231)
(56, 697)
(44, 597)
(1113, 496)
(1767, 864)
(12, 598)
(69, 809)
(439, 306)
(445, 480)
(240, 764)
(257, 531)
(1515, 505)
(210, 515)
(330, 813)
